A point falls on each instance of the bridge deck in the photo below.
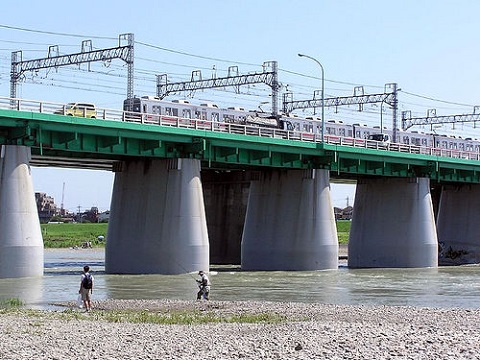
(58, 140)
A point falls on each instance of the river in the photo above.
(444, 287)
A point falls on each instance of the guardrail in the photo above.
(232, 128)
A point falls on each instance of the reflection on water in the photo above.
(443, 287)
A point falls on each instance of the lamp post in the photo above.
(323, 91)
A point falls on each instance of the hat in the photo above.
(200, 272)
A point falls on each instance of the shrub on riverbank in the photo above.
(11, 303)
(175, 317)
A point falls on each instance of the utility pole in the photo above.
(62, 210)
(394, 112)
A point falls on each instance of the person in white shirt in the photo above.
(86, 288)
(204, 285)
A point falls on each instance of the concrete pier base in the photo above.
(458, 228)
(21, 243)
(393, 224)
(290, 224)
(157, 223)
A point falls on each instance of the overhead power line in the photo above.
(54, 33)
(437, 100)
(192, 55)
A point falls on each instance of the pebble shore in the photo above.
(311, 331)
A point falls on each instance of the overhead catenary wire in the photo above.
(251, 96)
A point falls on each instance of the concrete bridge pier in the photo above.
(393, 224)
(157, 223)
(21, 242)
(458, 228)
(290, 223)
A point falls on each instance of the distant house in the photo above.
(343, 214)
(88, 216)
(104, 216)
(46, 207)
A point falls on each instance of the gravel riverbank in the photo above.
(311, 331)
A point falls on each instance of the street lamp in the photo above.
(323, 91)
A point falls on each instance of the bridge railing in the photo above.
(233, 128)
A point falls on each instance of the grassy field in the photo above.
(343, 231)
(70, 235)
(73, 234)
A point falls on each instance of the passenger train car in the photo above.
(151, 109)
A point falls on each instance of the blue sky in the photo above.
(428, 47)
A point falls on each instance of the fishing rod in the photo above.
(189, 273)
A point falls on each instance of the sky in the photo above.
(427, 47)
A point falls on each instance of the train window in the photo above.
(296, 126)
(202, 115)
(341, 132)
(350, 132)
(307, 127)
(406, 140)
(145, 108)
(187, 113)
(133, 103)
(215, 116)
(461, 147)
(424, 142)
(358, 133)
(156, 109)
(175, 112)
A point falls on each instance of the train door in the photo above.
(186, 113)
(156, 112)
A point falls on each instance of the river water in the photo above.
(444, 287)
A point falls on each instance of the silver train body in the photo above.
(151, 109)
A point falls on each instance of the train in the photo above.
(152, 108)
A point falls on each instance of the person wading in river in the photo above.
(204, 285)
(86, 288)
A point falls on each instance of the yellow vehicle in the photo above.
(79, 110)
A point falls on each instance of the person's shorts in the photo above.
(86, 294)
